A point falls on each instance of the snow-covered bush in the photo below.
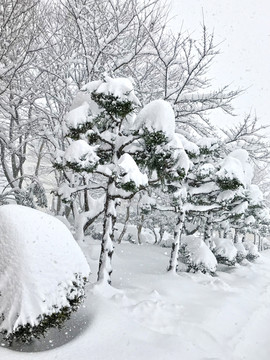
(42, 273)
(252, 251)
(225, 251)
(241, 251)
(197, 255)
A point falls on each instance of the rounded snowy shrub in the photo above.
(197, 255)
(42, 273)
(252, 251)
(225, 251)
(241, 251)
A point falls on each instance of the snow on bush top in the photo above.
(189, 146)
(39, 262)
(207, 142)
(231, 168)
(130, 171)
(225, 248)
(118, 87)
(243, 156)
(77, 116)
(179, 154)
(199, 255)
(81, 153)
(82, 104)
(158, 115)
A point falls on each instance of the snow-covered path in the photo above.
(159, 316)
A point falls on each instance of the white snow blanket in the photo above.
(39, 261)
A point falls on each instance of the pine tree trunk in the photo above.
(161, 233)
(235, 239)
(123, 232)
(208, 230)
(173, 264)
(107, 248)
(139, 229)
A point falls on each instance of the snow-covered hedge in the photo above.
(197, 255)
(225, 251)
(42, 272)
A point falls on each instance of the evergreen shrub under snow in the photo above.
(225, 251)
(252, 251)
(197, 255)
(42, 273)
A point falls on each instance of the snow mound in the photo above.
(158, 115)
(198, 256)
(42, 268)
(225, 251)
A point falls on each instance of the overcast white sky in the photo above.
(244, 28)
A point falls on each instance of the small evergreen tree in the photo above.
(109, 144)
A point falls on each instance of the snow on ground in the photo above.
(156, 315)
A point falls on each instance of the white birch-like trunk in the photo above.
(173, 264)
(107, 248)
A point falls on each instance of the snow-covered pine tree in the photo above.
(108, 143)
(233, 178)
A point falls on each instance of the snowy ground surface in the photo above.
(154, 315)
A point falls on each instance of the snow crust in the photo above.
(39, 260)
(158, 115)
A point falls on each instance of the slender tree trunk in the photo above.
(123, 232)
(254, 238)
(235, 239)
(155, 234)
(173, 264)
(107, 248)
(139, 228)
(208, 230)
(161, 233)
